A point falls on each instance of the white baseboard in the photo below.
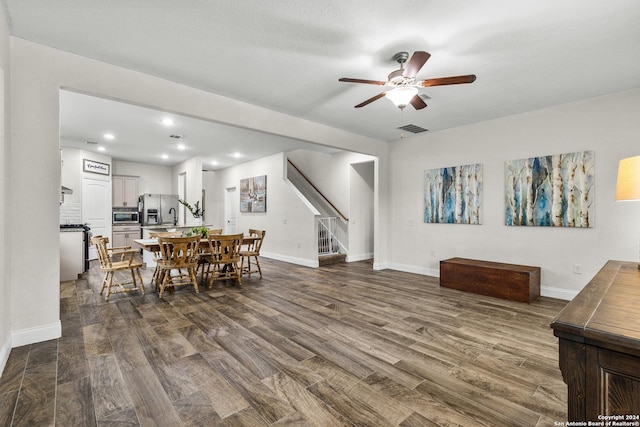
(558, 293)
(360, 257)
(545, 291)
(26, 337)
(4, 354)
(380, 265)
(37, 334)
(292, 260)
(425, 271)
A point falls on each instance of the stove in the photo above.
(70, 226)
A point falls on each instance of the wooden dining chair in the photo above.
(156, 254)
(252, 251)
(224, 259)
(204, 254)
(116, 259)
(178, 253)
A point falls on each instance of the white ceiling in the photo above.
(287, 55)
(141, 137)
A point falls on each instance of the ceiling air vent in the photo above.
(91, 143)
(176, 136)
(413, 128)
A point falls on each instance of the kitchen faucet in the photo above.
(175, 216)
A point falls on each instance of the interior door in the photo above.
(230, 208)
(96, 209)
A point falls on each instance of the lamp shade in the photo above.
(402, 95)
(628, 185)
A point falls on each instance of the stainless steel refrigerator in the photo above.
(159, 209)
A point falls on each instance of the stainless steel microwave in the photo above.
(125, 217)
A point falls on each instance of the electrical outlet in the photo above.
(577, 268)
(284, 221)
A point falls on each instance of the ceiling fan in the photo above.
(404, 84)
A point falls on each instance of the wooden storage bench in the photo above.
(494, 279)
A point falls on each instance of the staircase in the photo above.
(331, 259)
(332, 227)
(328, 244)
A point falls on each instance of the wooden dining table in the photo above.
(152, 245)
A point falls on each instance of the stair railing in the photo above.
(344, 218)
(328, 242)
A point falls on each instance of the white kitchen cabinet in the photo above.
(125, 191)
(124, 235)
(119, 239)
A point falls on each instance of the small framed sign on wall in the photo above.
(95, 167)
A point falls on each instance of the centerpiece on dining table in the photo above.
(203, 231)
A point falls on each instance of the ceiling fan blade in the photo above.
(369, 82)
(418, 103)
(370, 100)
(415, 63)
(442, 81)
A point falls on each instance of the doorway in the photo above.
(182, 195)
(361, 211)
(230, 204)
(96, 209)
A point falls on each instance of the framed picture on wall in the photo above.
(453, 195)
(253, 194)
(553, 191)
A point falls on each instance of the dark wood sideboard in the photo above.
(599, 345)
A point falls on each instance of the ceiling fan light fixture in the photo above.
(401, 96)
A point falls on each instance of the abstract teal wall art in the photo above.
(553, 191)
(453, 195)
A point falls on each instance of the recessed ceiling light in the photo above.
(101, 148)
(109, 136)
(214, 163)
(181, 146)
(165, 156)
(167, 122)
(237, 155)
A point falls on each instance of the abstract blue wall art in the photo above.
(453, 195)
(553, 191)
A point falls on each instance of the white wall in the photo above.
(332, 174)
(609, 125)
(5, 194)
(289, 224)
(283, 204)
(37, 74)
(361, 191)
(214, 200)
(329, 172)
(72, 175)
(192, 170)
(154, 179)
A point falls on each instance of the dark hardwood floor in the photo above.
(338, 345)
